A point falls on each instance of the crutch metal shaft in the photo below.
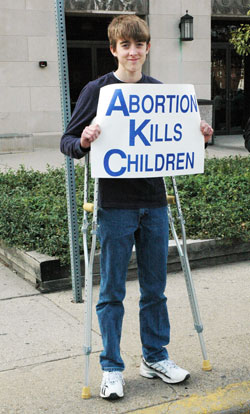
(85, 223)
(88, 298)
(182, 250)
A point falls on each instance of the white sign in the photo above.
(147, 130)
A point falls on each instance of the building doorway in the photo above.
(230, 83)
(88, 51)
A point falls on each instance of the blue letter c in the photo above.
(106, 162)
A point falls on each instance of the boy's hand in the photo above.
(206, 130)
(89, 134)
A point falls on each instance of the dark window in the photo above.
(89, 56)
(230, 81)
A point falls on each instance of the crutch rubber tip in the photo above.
(89, 207)
(206, 366)
(86, 393)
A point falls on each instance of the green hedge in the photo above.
(33, 210)
(216, 204)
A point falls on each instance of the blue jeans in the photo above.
(118, 231)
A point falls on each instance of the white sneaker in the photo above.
(166, 369)
(112, 385)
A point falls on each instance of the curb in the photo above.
(46, 274)
(232, 399)
(15, 143)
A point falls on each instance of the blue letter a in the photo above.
(122, 107)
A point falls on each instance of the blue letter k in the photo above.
(134, 132)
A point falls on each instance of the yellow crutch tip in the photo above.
(206, 366)
(89, 207)
(86, 393)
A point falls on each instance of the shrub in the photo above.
(216, 204)
(33, 207)
(33, 212)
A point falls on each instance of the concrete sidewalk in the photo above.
(41, 336)
(42, 365)
(224, 146)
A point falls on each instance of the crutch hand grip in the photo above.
(171, 199)
(89, 207)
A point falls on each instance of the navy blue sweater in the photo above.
(113, 192)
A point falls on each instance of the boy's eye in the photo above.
(124, 44)
(127, 44)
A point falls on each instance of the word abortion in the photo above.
(148, 103)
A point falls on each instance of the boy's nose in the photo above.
(133, 50)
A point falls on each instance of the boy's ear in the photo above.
(112, 50)
(148, 47)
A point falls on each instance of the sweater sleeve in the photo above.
(84, 112)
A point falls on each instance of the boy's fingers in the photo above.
(92, 130)
(90, 134)
(97, 128)
(206, 129)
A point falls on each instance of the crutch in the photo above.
(89, 261)
(182, 250)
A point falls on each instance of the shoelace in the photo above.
(113, 377)
(169, 363)
(164, 365)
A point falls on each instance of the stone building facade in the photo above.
(29, 82)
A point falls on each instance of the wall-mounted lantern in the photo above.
(186, 27)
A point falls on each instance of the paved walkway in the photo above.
(42, 365)
(41, 337)
(226, 145)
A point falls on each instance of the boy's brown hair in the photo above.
(128, 27)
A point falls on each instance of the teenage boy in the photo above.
(131, 211)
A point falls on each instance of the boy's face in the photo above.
(131, 54)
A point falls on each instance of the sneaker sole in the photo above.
(151, 374)
(112, 396)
